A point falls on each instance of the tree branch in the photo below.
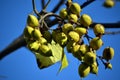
(42, 3)
(107, 25)
(16, 44)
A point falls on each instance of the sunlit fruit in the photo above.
(67, 27)
(32, 21)
(75, 8)
(85, 20)
(109, 3)
(45, 50)
(109, 66)
(83, 70)
(96, 43)
(34, 46)
(94, 68)
(28, 31)
(74, 36)
(90, 58)
(80, 30)
(61, 38)
(108, 53)
(42, 40)
(36, 34)
(73, 18)
(63, 13)
(84, 49)
(99, 29)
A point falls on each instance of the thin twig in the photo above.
(42, 3)
(87, 3)
(61, 2)
(34, 8)
(46, 5)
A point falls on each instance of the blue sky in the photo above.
(21, 64)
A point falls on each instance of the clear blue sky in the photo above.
(21, 64)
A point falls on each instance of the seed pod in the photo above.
(32, 21)
(109, 3)
(85, 20)
(36, 34)
(28, 31)
(74, 36)
(90, 58)
(47, 35)
(67, 27)
(61, 38)
(45, 50)
(96, 43)
(72, 18)
(109, 65)
(42, 40)
(70, 45)
(83, 70)
(99, 30)
(63, 13)
(83, 49)
(81, 31)
(75, 8)
(33, 46)
(108, 53)
(94, 68)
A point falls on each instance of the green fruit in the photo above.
(45, 50)
(94, 68)
(61, 38)
(99, 29)
(80, 30)
(96, 43)
(67, 28)
(70, 45)
(90, 58)
(75, 49)
(108, 53)
(85, 20)
(36, 34)
(42, 40)
(109, 66)
(76, 52)
(75, 8)
(54, 32)
(63, 13)
(47, 35)
(28, 31)
(83, 49)
(74, 36)
(83, 70)
(34, 46)
(73, 18)
(32, 21)
(109, 3)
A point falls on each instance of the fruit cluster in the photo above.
(36, 41)
(70, 34)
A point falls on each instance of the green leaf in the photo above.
(64, 62)
(44, 62)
